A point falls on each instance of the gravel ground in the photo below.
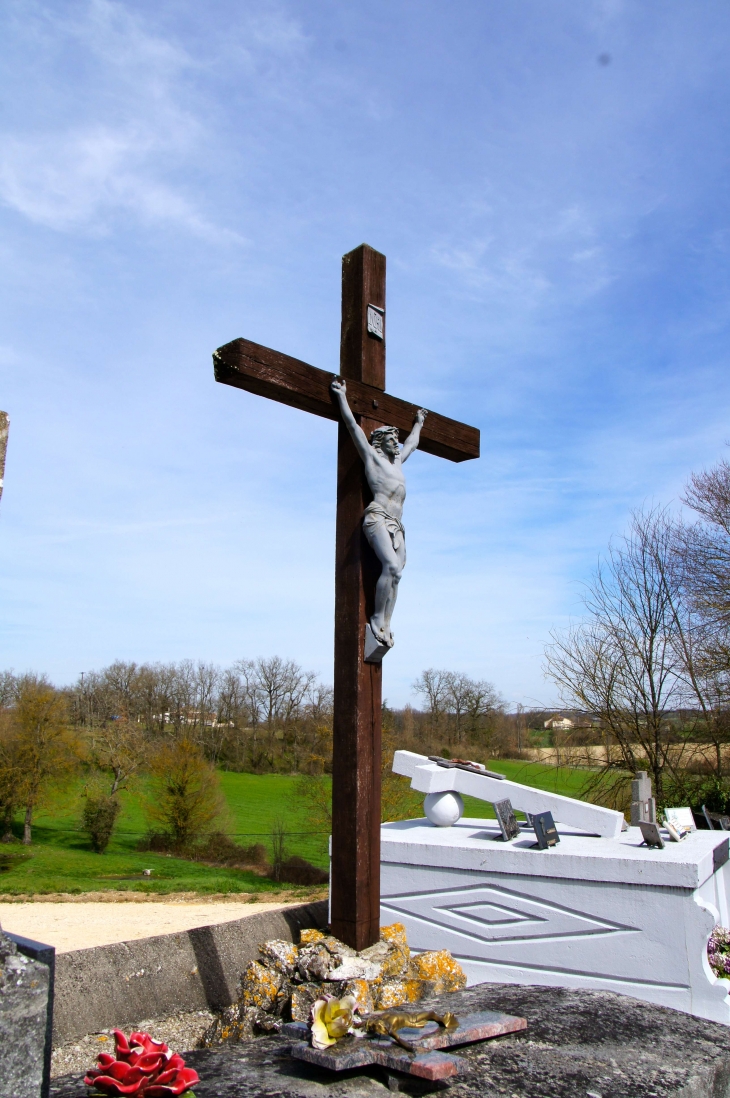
(182, 1032)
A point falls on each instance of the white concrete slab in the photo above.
(474, 844)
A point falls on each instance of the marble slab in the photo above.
(426, 1061)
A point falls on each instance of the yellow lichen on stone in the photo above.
(301, 1001)
(396, 933)
(391, 993)
(259, 986)
(362, 993)
(309, 937)
(415, 990)
(439, 966)
(280, 955)
(397, 961)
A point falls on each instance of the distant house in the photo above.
(559, 724)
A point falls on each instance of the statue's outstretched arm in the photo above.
(411, 442)
(362, 445)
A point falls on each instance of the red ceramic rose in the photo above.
(141, 1067)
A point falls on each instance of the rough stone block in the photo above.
(280, 955)
(260, 986)
(392, 957)
(391, 993)
(310, 936)
(360, 989)
(396, 934)
(24, 988)
(314, 962)
(439, 966)
(301, 1001)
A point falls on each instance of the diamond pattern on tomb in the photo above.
(500, 915)
(492, 914)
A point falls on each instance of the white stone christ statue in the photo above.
(383, 458)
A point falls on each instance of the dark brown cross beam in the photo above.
(355, 880)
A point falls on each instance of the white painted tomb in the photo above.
(598, 911)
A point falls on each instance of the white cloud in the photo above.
(129, 130)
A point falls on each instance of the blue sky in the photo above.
(549, 182)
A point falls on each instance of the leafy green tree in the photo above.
(185, 795)
(38, 743)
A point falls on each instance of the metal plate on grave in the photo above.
(545, 830)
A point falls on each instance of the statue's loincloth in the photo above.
(375, 516)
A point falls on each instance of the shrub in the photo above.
(296, 870)
(185, 794)
(217, 849)
(279, 837)
(221, 849)
(98, 819)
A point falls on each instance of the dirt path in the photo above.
(82, 925)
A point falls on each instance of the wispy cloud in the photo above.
(111, 145)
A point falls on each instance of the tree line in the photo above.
(176, 724)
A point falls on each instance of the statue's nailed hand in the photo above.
(338, 386)
(421, 416)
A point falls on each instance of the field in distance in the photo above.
(61, 860)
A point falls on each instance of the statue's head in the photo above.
(385, 439)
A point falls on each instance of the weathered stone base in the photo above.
(577, 1044)
(287, 980)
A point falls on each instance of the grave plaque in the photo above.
(652, 835)
(674, 835)
(643, 805)
(506, 819)
(545, 830)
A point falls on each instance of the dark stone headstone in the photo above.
(24, 999)
(577, 1044)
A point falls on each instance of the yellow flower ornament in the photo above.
(333, 1019)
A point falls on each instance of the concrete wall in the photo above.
(119, 985)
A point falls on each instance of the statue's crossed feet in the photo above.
(382, 635)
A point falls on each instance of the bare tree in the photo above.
(458, 705)
(119, 747)
(433, 686)
(8, 688)
(628, 661)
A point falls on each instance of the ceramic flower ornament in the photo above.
(142, 1067)
(333, 1019)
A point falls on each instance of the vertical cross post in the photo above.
(355, 883)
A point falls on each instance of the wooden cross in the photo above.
(355, 878)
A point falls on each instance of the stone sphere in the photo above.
(443, 809)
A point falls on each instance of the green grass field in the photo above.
(61, 859)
